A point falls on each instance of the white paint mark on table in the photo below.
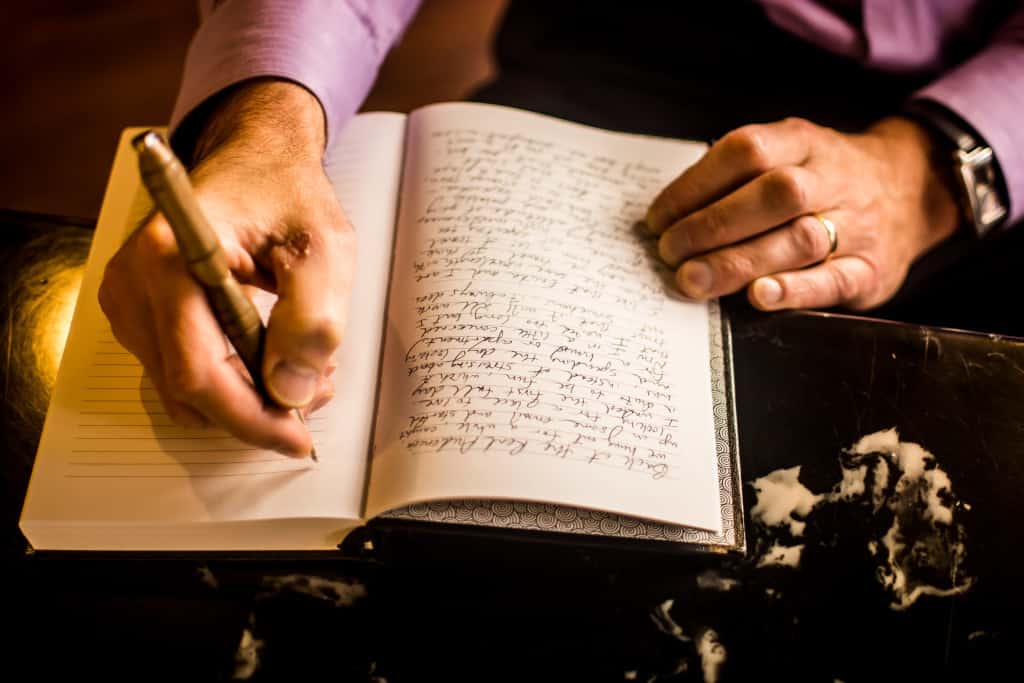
(712, 580)
(923, 540)
(780, 496)
(340, 593)
(712, 655)
(707, 646)
(207, 577)
(666, 624)
(782, 555)
(247, 657)
(884, 441)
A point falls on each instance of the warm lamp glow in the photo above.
(54, 321)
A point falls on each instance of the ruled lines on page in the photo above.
(123, 430)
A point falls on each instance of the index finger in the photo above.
(197, 371)
(740, 156)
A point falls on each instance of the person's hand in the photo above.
(261, 184)
(744, 215)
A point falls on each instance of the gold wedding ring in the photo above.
(833, 234)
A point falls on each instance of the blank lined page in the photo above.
(111, 457)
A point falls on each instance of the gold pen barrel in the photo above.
(241, 322)
(168, 183)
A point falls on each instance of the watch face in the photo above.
(981, 188)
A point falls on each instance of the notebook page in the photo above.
(109, 454)
(536, 350)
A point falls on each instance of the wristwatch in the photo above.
(969, 163)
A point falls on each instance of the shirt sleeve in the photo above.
(331, 47)
(987, 91)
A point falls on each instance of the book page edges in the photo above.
(256, 536)
(117, 208)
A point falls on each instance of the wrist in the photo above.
(271, 118)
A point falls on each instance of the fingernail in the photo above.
(291, 384)
(667, 249)
(696, 278)
(291, 451)
(768, 291)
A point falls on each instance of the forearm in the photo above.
(275, 116)
(331, 47)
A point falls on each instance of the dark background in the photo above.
(76, 72)
(467, 609)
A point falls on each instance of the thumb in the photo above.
(313, 270)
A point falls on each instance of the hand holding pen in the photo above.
(271, 210)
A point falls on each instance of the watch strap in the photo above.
(968, 163)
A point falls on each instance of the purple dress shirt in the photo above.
(335, 47)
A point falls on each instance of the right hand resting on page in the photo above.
(260, 181)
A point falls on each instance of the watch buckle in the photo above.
(979, 181)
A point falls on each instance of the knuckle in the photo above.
(797, 125)
(786, 189)
(808, 239)
(154, 238)
(735, 267)
(749, 147)
(184, 382)
(150, 250)
(322, 331)
(845, 285)
(713, 227)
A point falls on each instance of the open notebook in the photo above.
(515, 357)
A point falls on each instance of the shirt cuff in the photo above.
(332, 48)
(987, 92)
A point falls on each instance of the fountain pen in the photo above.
(165, 178)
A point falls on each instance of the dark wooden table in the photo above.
(446, 605)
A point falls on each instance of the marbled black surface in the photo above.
(434, 604)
